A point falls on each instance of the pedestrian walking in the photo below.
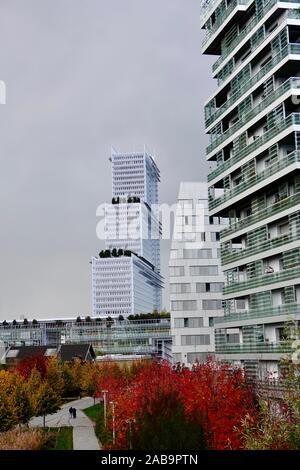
(71, 412)
(74, 412)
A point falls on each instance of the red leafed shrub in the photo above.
(26, 365)
(223, 399)
(163, 408)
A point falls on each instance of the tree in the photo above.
(29, 363)
(223, 398)
(54, 376)
(47, 401)
(7, 412)
(21, 402)
(89, 380)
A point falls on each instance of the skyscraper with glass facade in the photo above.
(253, 120)
(126, 276)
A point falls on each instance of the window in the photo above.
(173, 254)
(240, 304)
(191, 322)
(177, 271)
(200, 287)
(211, 304)
(203, 270)
(216, 287)
(176, 357)
(233, 338)
(196, 357)
(186, 203)
(195, 340)
(215, 236)
(197, 254)
(180, 288)
(183, 305)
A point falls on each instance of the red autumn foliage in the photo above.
(223, 398)
(26, 365)
(153, 381)
(211, 394)
(112, 379)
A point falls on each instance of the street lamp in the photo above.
(130, 422)
(113, 422)
(104, 392)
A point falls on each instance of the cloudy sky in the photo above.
(83, 75)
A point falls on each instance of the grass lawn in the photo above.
(95, 413)
(59, 439)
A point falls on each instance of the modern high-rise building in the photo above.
(126, 276)
(196, 279)
(253, 119)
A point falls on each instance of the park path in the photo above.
(84, 437)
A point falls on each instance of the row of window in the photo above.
(186, 305)
(194, 271)
(201, 287)
(195, 340)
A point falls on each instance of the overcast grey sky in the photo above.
(83, 75)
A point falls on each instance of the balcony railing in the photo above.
(248, 28)
(289, 84)
(275, 208)
(279, 165)
(284, 310)
(262, 280)
(291, 120)
(222, 17)
(259, 247)
(251, 25)
(288, 49)
(254, 348)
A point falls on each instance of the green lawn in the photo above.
(95, 413)
(59, 439)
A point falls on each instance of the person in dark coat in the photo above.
(71, 412)
(74, 412)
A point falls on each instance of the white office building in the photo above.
(126, 276)
(196, 280)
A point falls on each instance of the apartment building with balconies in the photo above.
(253, 121)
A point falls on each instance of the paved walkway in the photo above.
(84, 437)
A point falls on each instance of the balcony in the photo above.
(254, 348)
(289, 49)
(259, 247)
(281, 164)
(263, 280)
(221, 18)
(277, 207)
(248, 28)
(284, 310)
(224, 74)
(292, 120)
(288, 85)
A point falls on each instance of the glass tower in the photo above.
(126, 279)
